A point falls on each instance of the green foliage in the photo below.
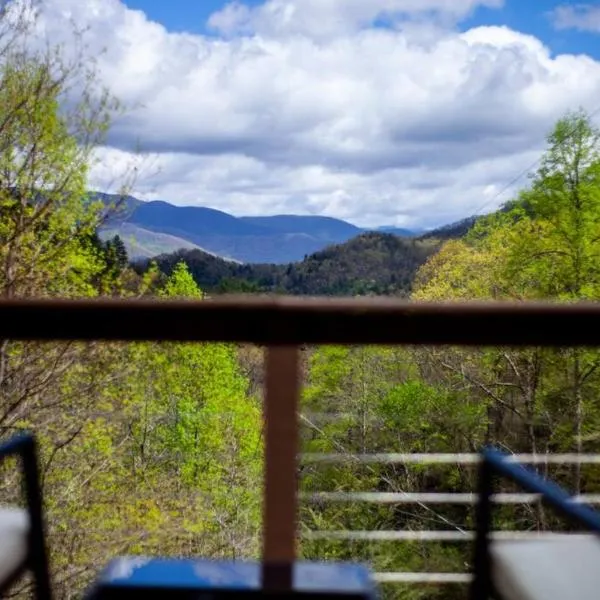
(172, 447)
(180, 284)
(45, 155)
(381, 404)
(431, 419)
(200, 432)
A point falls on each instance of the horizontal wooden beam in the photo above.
(289, 321)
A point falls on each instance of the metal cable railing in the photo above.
(435, 499)
(457, 459)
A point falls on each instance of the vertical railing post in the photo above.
(38, 553)
(282, 390)
(481, 587)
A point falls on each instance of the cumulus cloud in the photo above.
(325, 18)
(416, 196)
(584, 17)
(307, 108)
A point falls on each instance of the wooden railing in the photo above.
(283, 325)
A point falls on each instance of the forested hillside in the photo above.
(370, 264)
(451, 231)
(158, 227)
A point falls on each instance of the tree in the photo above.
(46, 222)
(200, 430)
(370, 399)
(558, 252)
(555, 248)
(544, 245)
(164, 455)
(45, 153)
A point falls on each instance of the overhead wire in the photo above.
(526, 171)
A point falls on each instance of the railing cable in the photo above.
(348, 454)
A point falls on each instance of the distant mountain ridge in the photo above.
(401, 231)
(320, 227)
(451, 231)
(142, 243)
(161, 228)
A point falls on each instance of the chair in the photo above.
(552, 569)
(22, 541)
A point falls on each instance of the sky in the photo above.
(413, 113)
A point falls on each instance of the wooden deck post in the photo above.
(282, 388)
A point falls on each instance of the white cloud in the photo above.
(411, 125)
(325, 18)
(584, 17)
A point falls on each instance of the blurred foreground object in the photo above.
(133, 578)
(22, 541)
(532, 569)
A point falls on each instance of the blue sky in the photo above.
(527, 16)
(533, 17)
(181, 15)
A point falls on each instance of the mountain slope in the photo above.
(257, 249)
(326, 228)
(120, 208)
(399, 231)
(451, 231)
(191, 222)
(143, 243)
(371, 263)
(279, 239)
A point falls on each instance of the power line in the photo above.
(527, 170)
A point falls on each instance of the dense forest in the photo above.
(369, 264)
(155, 448)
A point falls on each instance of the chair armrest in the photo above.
(547, 569)
(14, 538)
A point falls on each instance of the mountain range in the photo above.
(152, 228)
